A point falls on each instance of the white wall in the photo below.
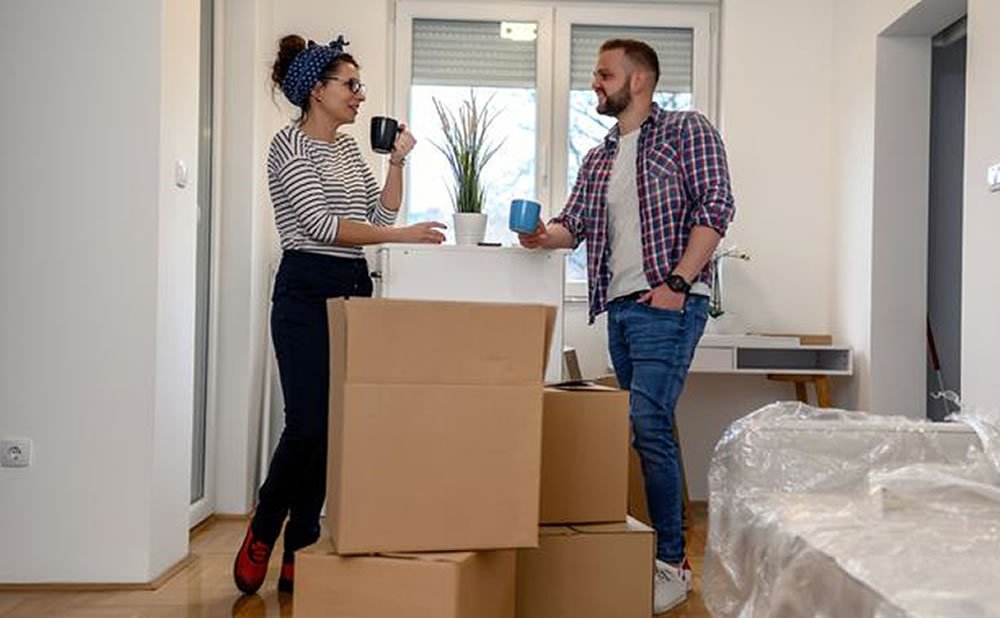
(881, 100)
(245, 252)
(897, 353)
(97, 312)
(170, 489)
(981, 295)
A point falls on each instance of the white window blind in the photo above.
(674, 47)
(470, 53)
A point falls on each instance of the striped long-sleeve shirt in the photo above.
(314, 185)
(683, 181)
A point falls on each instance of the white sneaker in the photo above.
(669, 587)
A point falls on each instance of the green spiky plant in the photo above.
(467, 149)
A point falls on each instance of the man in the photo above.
(652, 202)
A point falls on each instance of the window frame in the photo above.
(553, 55)
(408, 10)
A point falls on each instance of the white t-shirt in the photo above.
(624, 230)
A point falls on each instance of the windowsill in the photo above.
(575, 292)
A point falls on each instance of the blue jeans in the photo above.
(651, 350)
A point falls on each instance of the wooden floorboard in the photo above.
(204, 588)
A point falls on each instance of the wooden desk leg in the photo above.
(801, 392)
(801, 382)
(823, 387)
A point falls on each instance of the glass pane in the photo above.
(509, 174)
(501, 72)
(203, 272)
(587, 128)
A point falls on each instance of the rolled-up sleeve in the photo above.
(572, 215)
(704, 159)
(377, 214)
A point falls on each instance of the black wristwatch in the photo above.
(678, 283)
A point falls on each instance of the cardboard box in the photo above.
(435, 424)
(592, 571)
(585, 437)
(440, 585)
(637, 505)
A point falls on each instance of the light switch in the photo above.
(993, 177)
(180, 174)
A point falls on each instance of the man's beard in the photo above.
(616, 103)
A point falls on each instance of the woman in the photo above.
(326, 205)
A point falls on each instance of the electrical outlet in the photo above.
(15, 453)
(993, 177)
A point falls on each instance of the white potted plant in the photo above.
(467, 148)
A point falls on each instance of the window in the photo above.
(539, 83)
(453, 60)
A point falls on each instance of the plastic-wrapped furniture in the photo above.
(834, 513)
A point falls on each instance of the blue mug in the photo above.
(524, 216)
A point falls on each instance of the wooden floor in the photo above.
(205, 588)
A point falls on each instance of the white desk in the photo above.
(476, 274)
(769, 354)
(779, 358)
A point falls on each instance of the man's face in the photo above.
(611, 83)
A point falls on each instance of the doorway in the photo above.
(900, 217)
(944, 221)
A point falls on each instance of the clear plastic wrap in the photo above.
(834, 513)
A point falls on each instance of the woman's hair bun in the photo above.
(288, 48)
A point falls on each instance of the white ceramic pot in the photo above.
(470, 227)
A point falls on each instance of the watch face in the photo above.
(678, 284)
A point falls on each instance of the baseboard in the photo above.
(157, 583)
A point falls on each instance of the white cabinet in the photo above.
(479, 274)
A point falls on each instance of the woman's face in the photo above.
(341, 94)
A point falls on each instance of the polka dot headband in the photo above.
(307, 68)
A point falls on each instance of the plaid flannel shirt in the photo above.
(683, 181)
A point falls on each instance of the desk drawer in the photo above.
(713, 360)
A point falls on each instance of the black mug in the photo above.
(383, 134)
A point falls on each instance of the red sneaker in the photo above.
(250, 566)
(286, 582)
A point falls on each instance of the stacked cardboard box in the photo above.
(435, 446)
(590, 561)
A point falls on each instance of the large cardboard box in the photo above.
(435, 424)
(585, 436)
(637, 505)
(439, 585)
(591, 571)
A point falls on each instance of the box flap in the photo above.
(322, 547)
(581, 385)
(629, 525)
(451, 557)
(555, 531)
(376, 341)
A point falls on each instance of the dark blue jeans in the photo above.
(651, 350)
(296, 480)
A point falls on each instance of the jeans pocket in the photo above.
(663, 311)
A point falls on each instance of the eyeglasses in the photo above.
(355, 85)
